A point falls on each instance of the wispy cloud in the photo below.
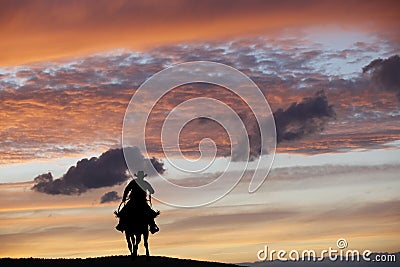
(323, 202)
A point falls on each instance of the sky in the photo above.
(330, 73)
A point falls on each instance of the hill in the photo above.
(120, 261)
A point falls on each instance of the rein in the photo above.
(119, 209)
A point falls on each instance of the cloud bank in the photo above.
(106, 170)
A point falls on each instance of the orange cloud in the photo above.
(36, 31)
(71, 108)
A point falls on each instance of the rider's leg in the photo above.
(151, 214)
(153, 226)
(122, 222)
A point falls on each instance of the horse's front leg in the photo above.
(134, 248)
(138, 239)
(146, 244)
(134, 252)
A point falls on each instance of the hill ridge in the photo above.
(114, 260)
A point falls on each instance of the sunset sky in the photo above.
(328, 69)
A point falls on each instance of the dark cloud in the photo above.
(111, 196)
(385, 73)
(157, 164)
(107, 170)
(304, 118)
(297, 121)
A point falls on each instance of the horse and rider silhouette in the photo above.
(136, 217)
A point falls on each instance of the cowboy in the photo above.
(138, 190)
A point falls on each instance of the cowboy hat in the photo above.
(140, 174)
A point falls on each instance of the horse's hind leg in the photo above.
(128, 240)
(146, 244)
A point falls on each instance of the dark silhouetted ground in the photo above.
(112, 261)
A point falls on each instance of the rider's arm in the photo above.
(126, 191)
(149, 188)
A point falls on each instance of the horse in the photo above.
(133, 235)
(137, 225)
